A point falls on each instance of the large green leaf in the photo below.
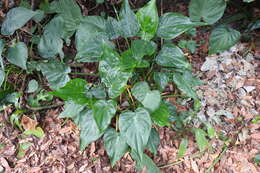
(71, 14)
(172, 56)
(56, 73)
(153, 141)
(136, 127)
(103, 112)
(150, 99)
(146, 163)
(161, 79)
(15, 19)
(74, 90)
(18, 55)
(161, 115)
(71, 109)
(201, 140)
(148, 20)
(51, 43)
(173, 24)
(209, 11)
(113, 28)
(186, 82)
(112, 75)
(88, 129)
(128, 21)
(222, 38)
(115, 145)
(90, 36)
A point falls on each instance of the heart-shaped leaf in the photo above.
(148, 20)
(136, 127)
(209, 11)
(172, 56)
(128, 20)
(18, 55)
(103, 112)
(115, 145)
(173, 24)
(161, 115)
(222, 38)
(15, 19)
(56, 73)
(71, 109)
(88, 129)
(74, 90)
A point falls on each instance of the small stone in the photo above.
(209, 64)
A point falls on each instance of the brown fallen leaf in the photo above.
(28, 123)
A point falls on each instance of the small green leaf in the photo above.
(210, 130)
(128, 20)
(140, 48)
(222, 38)
(201, 140)
(186, 82)
(74, 90)
(22, 149)
(172, 56)
(38, 132)
(173, 24)
(209, 11)
(100, 1)
(182, 148)
(71, 109)
(115, 145)
(111, 72)
(150, 99)
(88, 129)
(146, 162)
(15, 19)
(153, 141)
(56, 73)
(161, 115)
(148, 20)
(257, 159)
(32, 86)
(103, 112)
(136, 128)
(161, 79)
(18, 55)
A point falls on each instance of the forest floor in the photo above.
(230, 101)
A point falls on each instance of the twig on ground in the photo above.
(44, 107)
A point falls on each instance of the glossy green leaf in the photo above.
(148, 19)
(128, 21)
(172, 25)
(74, 90)
(51, 43)
(222, 38)
(90, 36)
(99, 1)
(201, 140)
(182, 148)
(146, 163)
(161, 115)
(115, 145)
(56, 73)
(98, 92)
(18, 55)
(88, 129)
(153, 141)
(209, 11)
(112, 75)
(186, 82)
(103, 112)
(172, 56)
(150, 99)
(188, 44)
(161, 79)
(248, 1)
(257, 159)
(71, 109)
(15, 19)
(32, 86)
(140, 48)
(136, 128)
(2, 77)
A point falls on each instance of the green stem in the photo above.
(86, 74)
(44, 107)
(217, 159)
(172, 95)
